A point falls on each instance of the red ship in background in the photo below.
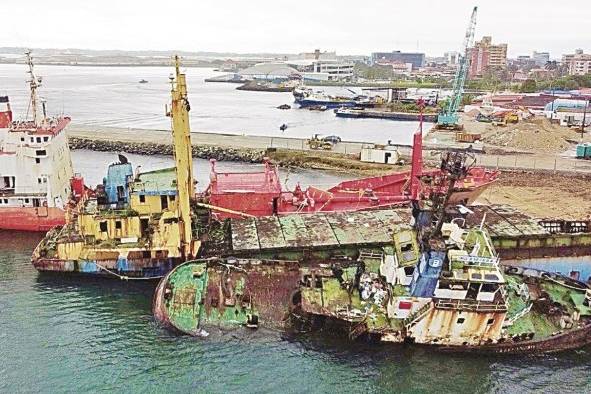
(261, 194)
(36, 176)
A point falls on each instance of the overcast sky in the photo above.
(349, 27)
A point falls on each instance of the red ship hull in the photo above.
(31, 219)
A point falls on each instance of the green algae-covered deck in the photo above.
(318, 230)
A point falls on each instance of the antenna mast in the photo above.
(34, 83)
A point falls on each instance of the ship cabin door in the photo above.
(120, 194)
(387, 157)
(144, 226)
(473, 289)
(164, 202)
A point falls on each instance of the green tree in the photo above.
(528, 86)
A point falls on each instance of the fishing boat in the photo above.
(309, 97)
(36, 177)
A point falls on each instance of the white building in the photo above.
(270, 72)
(379, 154)
(578, 63)
(322, 66)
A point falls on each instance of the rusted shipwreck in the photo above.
(453, 294)
(418, 274)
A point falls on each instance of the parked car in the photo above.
(332, 139)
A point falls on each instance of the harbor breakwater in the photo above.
(152, 148)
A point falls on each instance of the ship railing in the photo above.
(417, 315)
(470, 305)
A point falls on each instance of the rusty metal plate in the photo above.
(270, 233)
(316, 230)
(244, 235)
(505, 221)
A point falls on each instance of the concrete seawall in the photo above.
(152, 148)
(251, 148)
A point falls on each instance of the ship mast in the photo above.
(34, 83)
(181, 135)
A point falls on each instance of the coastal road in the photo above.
(517, 161)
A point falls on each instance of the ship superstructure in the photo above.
(135, 224)
(35, 165)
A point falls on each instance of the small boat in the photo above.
(143, 81)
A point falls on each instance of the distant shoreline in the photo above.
(163, 64)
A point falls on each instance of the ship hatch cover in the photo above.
(317, 230)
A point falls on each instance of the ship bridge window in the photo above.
(460, 286)
(38, 139)
(409, 270)
(7, 182)
(22, 139)
(41, 152)
(461, 320)
(45, 139)
(491, 277)
(32, 139)
(489, 287)
(406, 247)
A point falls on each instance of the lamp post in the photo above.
(584, 119)
(552, 107)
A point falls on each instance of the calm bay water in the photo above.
(112, 96)
(72, 335)
(66, 335)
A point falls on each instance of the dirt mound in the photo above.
(537, 134)
(542, 195)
